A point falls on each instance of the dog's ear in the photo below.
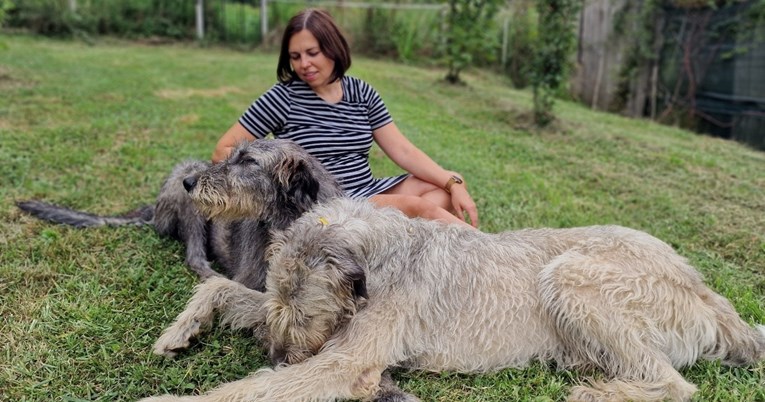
(359, 282)
(299, 183)
(356, 277)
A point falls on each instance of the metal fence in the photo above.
(713, 65)
(369, 25)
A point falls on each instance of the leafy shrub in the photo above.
(5, 7)
(169, 18)
(469, 34)
(556, 40)
(521, 42)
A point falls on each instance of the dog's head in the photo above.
(315, 285)
(264, 179)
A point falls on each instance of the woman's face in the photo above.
(308, 61)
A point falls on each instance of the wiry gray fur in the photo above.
(354, 290)
(238, 245)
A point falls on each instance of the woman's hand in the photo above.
(463, 204)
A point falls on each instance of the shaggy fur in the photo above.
(355, 290)
(291, 182)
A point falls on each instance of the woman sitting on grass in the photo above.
(336, 117)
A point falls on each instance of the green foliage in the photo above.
(469, 34)
(645, 23)
(403, 34)
(410, 35)
(521, 42)
(748, 29)
(237, 23)
(41, 16)
(554, 46)
(377, 39)
(166, 18)
(5, 7)
(278, 15)
(406, 35)
(641, 22)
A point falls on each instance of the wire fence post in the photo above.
(200, 19)
(505, 33)
(263, 20)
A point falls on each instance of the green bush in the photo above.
(521, 42)
(407, 35)
(238, 23)
(416, 35)
(469, 35)
(5, 7)
(47, 17)
(167, 18)
(555, 44)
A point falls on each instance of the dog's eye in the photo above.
(248, 160)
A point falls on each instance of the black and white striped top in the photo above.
(339, 135)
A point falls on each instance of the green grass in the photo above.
(98, 127)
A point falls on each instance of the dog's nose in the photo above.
(278, 356)
(189, 183)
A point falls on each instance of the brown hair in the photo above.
(332, 43)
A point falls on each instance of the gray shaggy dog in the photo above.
(290, 182)
(355, 290)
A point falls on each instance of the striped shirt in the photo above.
(338, 135)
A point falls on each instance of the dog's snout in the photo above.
(278, 356)
(189, 183)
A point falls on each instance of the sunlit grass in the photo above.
(98, 127)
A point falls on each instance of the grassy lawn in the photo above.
(98, 127)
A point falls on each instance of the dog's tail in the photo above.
(761, 329)
(738, 343)
(57, 214)
(759, 343)
(745, 345)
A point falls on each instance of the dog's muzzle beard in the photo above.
(289, 343)
(280, 355)
(294, 336)
(206, 198)
(216, 199)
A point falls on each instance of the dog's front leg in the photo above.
(324, 377)
(390, 392)
(239, 306)
(349, 367)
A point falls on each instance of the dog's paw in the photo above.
(175, 339)
(166, 398)
(395, 396)
(581, 393)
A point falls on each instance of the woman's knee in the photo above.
(441, 198)
(411, 186)
(422, 191)
(411, 205)
(415, 207)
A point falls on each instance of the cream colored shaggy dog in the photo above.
(354, 290)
